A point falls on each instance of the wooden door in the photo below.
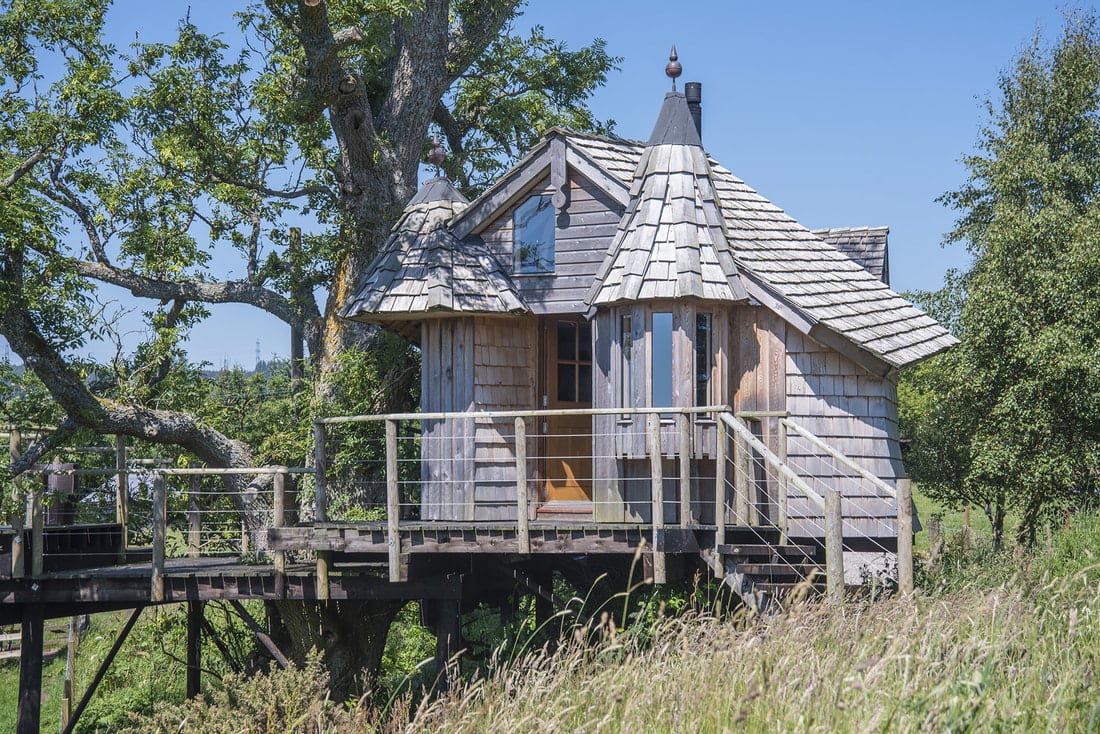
(568, 462)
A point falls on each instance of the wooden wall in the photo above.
(856, 413)
(447, 385)
(585, 228)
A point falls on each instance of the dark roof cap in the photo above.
(675, 125)
(437, 189)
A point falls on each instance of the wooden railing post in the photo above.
(18, 569)
(657, 491)
(278, 519)
(194, 516)
(523, 529)
(393, 502)
(741, 481)
(905, 536)
(160, 530)
(782, 499)
(320, 511)
(686, 518)
(122, 493)
(834, 547)
(36, 520)
(720, 483)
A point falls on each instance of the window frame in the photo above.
(539, 264)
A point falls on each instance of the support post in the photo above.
(278, 520)
(194, 648)
(905, 536)
(783, 499)
(261, 635)
(523, 529)
(720, 483)
(448, 632)
(657, 491)
(393, 502)
(834, 547)
(122, 493)
(160, 531)
(320, 511)
(36, 519)
(686, 518)
(18, 569)
(194, 516)
(29, 708)
(740, 482)
(322, 575)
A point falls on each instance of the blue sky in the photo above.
(842, 113)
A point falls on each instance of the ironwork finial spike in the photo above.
(673, 69)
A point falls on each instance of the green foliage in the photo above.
(1012, 414)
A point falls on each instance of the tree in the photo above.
(1023, 387)
(142, 169)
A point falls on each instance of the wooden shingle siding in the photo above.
(857, 414)
(865, 245)
(583, 232)
(505, 378)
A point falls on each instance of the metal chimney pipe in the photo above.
(693, 92)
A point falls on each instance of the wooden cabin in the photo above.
(601, 273)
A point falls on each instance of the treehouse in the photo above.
(630, 334)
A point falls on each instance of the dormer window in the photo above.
(533, 235)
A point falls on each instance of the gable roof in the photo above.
(424, 269)
(866, 245)
(670, 242)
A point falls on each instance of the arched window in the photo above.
(533, 235)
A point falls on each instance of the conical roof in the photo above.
(671, 241)
(424, 269)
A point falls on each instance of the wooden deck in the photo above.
(107, 588)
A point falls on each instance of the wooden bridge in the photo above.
(708, 489)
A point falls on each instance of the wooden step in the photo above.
(763, 534)
(775, 571)
(753, 550)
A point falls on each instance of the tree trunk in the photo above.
(350, 635)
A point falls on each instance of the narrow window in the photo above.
(533, 235)
(626, 344)
(574, 362)
(704, 354)
(660, 392)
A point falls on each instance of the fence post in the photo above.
(905, 536)
(194, 516)
(720, 482)
(122, 493)
(160, 529)
(320, 512)
(657, 491)
(834, 547)
(37, 521)
(393, 502)
(278, 520)
(523, 529)
(685, 470)
(784, 523)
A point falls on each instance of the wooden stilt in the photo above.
(194, 648)
(448, 631)
(28, 714)
(261, 635)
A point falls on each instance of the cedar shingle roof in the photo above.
(866, 245)
(424, 269)
(815, 279)
(670, 242)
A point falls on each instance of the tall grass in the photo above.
(1014, 646)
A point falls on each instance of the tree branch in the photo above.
(23, 168)
(194, 290)
(474, 33)
(43, 446)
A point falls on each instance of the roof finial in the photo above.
(436, 155)
(673, 69)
